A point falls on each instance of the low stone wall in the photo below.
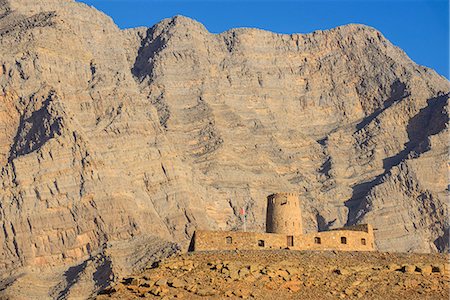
(359, 227)
(234, 240)
(342, 240)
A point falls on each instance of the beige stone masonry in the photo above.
(284, 231)
(342, 240)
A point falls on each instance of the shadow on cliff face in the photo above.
(101, 277)
(38, 128)
(144, 66)
(429, 121)
(150, 45)
(443, 242)
(103, 274)
(322, 224)
(397, 93)
(72, 275)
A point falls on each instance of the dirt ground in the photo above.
(285, 274)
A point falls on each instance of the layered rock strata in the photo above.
(120, 137)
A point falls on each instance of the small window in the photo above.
(343, 240)
(283, 201)
(363, 242)
(261, 243)
(229, 240)
(317, 240)
(434, 269)
(290, 241)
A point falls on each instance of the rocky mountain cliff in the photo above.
(116, 145)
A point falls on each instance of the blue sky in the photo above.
(419, 27)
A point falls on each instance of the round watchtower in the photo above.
(284, 215)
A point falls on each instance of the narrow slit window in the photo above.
(343, 240)
(317, 240)
(290, 241)
(261, 243)
(229, 240)
(363, 242)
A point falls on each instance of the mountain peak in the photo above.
(115, 146)
(180, 22)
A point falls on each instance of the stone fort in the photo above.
(284, 230)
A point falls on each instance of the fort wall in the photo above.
(359, 227)
(285, 231)
(339, 239)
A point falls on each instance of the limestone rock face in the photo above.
(332, 115)
(138, 137)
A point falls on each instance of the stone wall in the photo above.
(339, 239)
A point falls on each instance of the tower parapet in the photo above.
(284, 214)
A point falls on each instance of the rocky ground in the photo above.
(289, 275)
(117, 145)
